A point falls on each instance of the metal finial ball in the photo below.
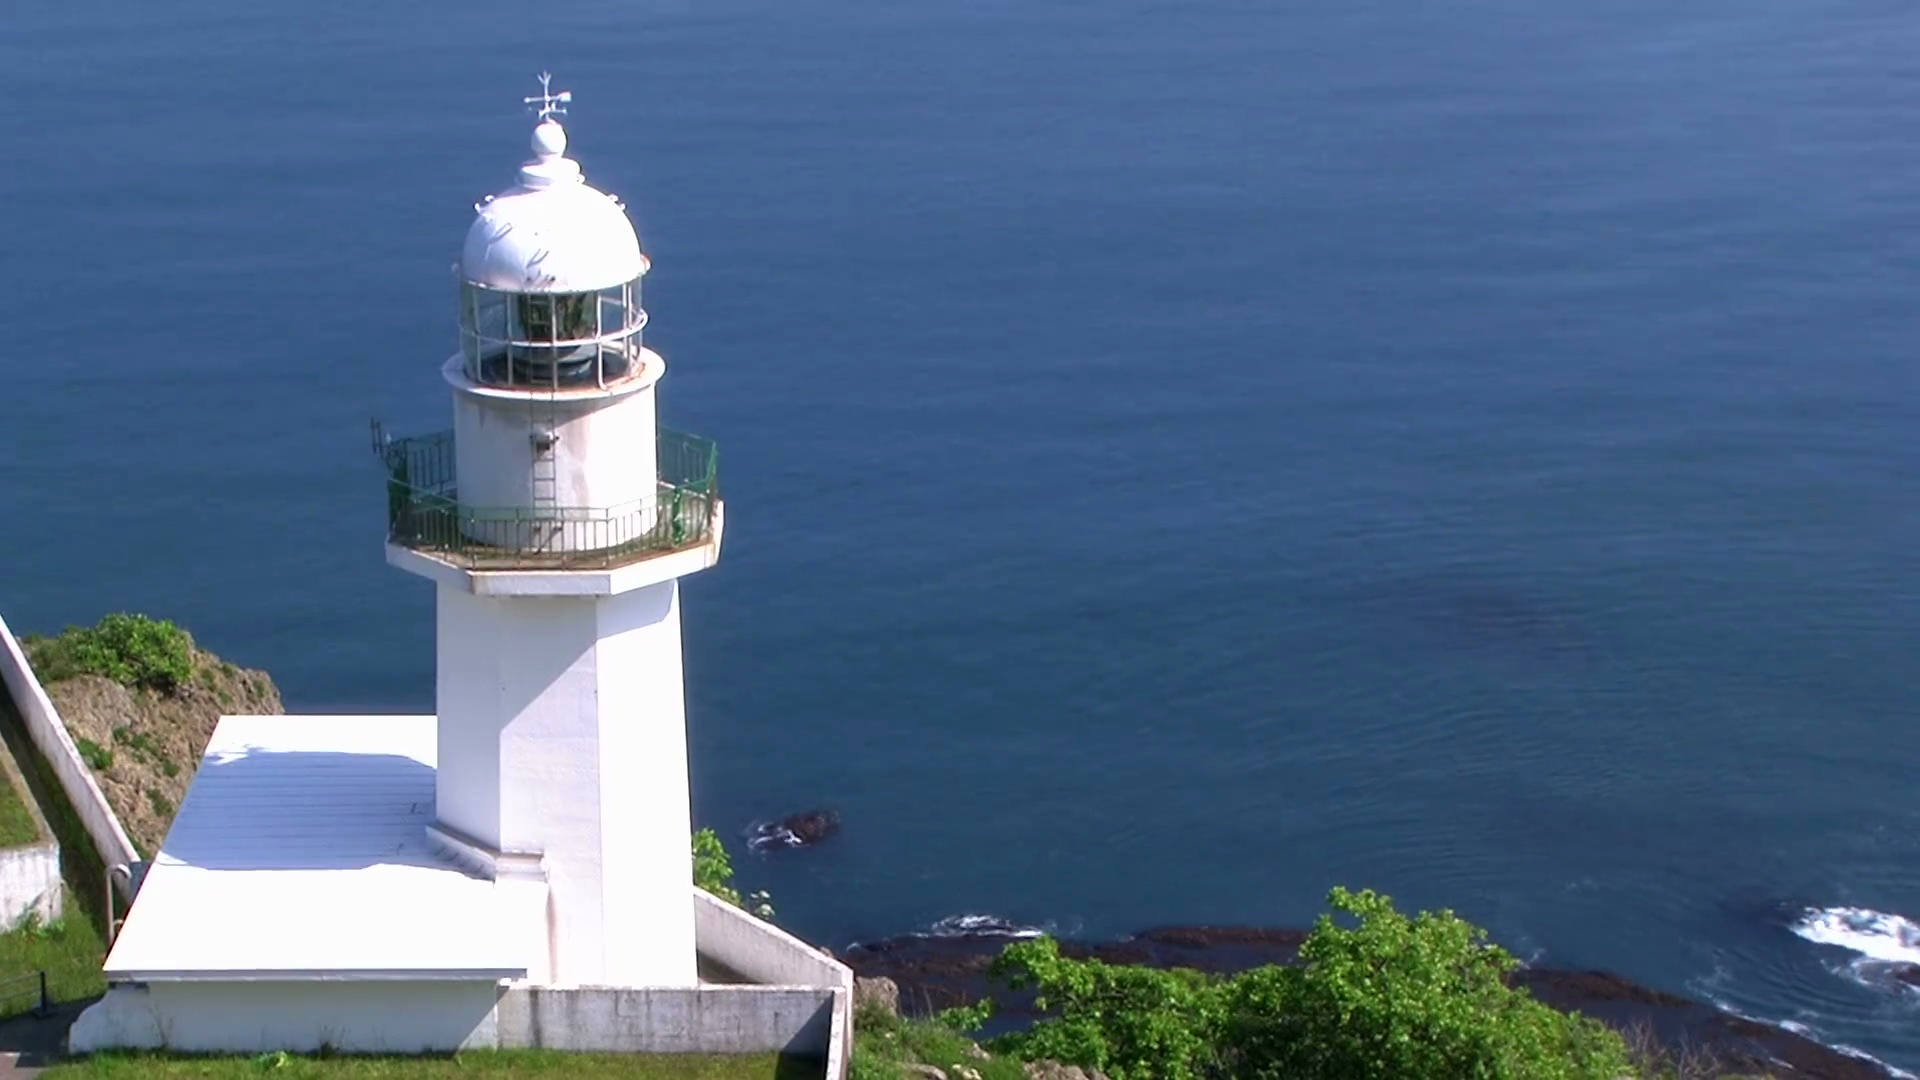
(549, 139)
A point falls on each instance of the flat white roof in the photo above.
(300, 852)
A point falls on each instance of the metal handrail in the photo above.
(424, 511)
(45, 1005)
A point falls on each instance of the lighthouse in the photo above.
(515, 870)
(555, 520)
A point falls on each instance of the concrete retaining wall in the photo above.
(796, 1020)
(414, 1017)
(50, 735)
(763, 953)
(30, 883)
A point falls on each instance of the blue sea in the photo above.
(1180, 457)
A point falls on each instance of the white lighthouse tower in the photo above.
(516, 870)
(556, 519)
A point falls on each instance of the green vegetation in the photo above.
(887, 1044)
(69, 950)
(132, 650)
(713, 871)
(1376, 994)
(17, 827)
(97, 757)
(476, 1064)
(139, 741)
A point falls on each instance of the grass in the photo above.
(70, 950)
(477, 1064)
(17, 827)
(97, 757)
(884, 1044)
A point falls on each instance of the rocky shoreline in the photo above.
(936, 971)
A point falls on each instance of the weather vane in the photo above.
(549, 102)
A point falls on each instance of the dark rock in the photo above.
(794, 830)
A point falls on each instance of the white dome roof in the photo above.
(551, 232)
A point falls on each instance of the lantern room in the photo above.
(550, 280)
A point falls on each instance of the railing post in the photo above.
(46, 1001)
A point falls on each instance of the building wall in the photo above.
(646, 835)
(253, 1017)
(562, 731)
(809, 1014)
(604, 454)
(795, 1020)
(424, 1017)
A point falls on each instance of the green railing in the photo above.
(424, 512)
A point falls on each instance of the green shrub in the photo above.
(132, 650)
(713, 871)
(97, 757)
(1129, 1022)
(1379, 995)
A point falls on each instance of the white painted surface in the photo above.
(400, 1017)
(759, 950)
(646, 811)
(551, 233)
(563, 733)
(247, 1018)
(300, 852)
(609, 582)
(603, 457)
(30, 883)
(50, 736)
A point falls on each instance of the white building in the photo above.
(482, 877)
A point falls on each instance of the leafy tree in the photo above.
(1397, 996)
(1379, 995)
(1129, 1022)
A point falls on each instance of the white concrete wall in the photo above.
(417, 1017)
(253, 1017)
(760, 951)
(646, 833)
(764, 953)
(562, 731)
(795, 1020)
(50, 736)
(470, 699)
(30, 883)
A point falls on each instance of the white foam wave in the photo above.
(982, 926)
(1874, 935)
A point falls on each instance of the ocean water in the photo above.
(1180, 457)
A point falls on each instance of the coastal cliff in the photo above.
(140, 699)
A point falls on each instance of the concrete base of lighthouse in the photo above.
(562, 744)
(300, 903)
